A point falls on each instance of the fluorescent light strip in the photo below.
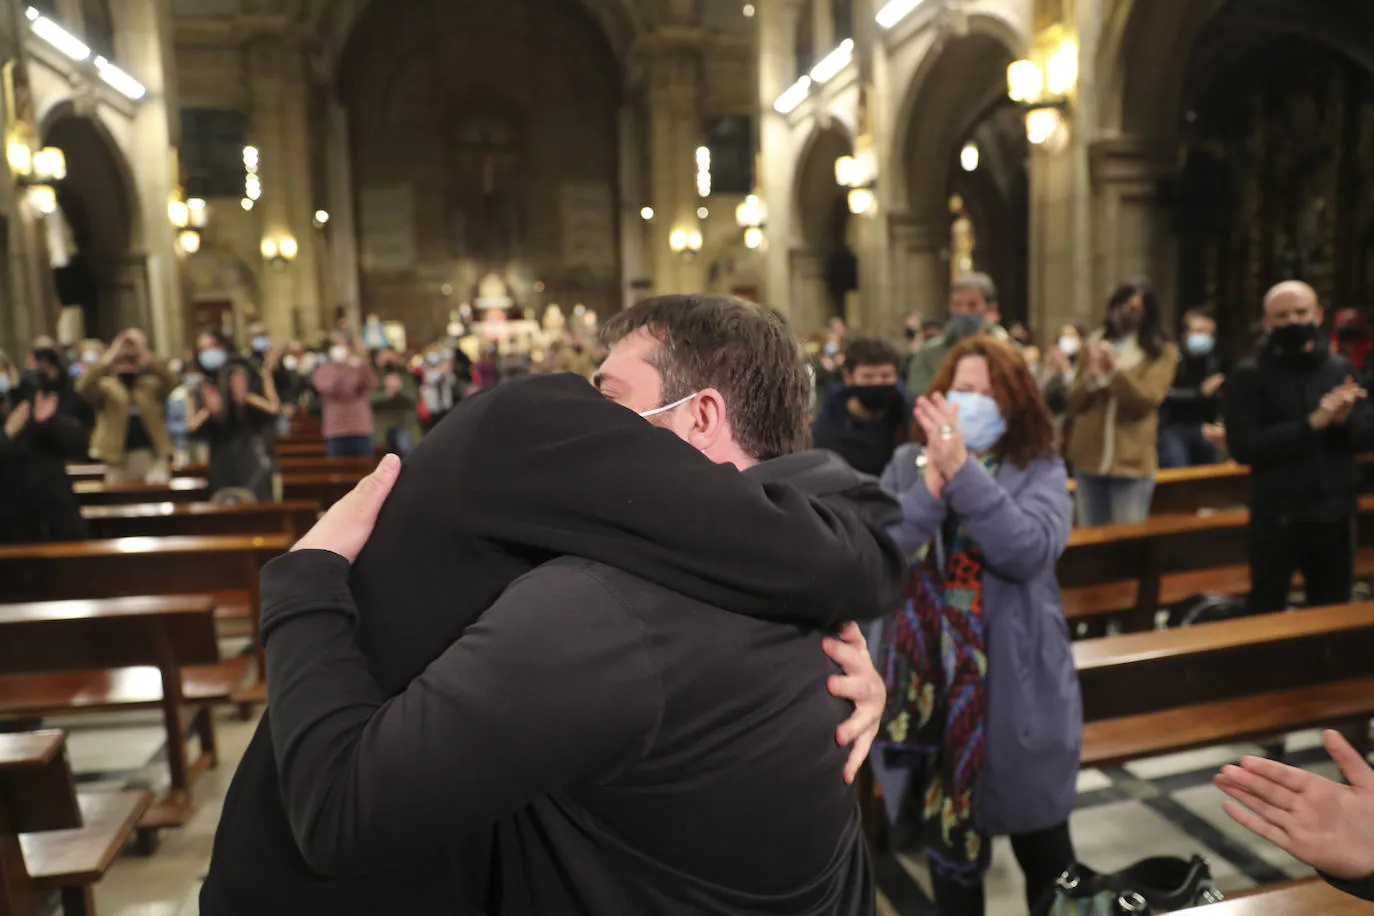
(793, 96)
(120, 81)
(895, 11)
(830, 65)
(57, 36)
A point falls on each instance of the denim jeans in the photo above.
(1113, 500)
(1182, 445)
(349, 447)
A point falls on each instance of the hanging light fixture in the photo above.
(1044, 85)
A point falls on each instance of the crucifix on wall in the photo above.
(483, 206)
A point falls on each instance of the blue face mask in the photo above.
(980, 419)
(1200, 344)
(4, 383)
(213, 359)
(262, 344)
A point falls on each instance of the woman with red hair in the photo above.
(984, 716)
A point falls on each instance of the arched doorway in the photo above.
(1273, 108)
(485, 140)
(957, 99)
(91, 236)
(825, 269)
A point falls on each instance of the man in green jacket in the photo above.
(971, 299)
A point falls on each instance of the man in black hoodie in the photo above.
(533, 470)
(1297, 417)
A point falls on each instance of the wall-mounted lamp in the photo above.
(703, 171)
(279, 252)
(646, 214)
(321, 218)
(36, 171)
(968, 157)
(685, 242)
(751, 216)
(1044, 85)
(189, 240)
(859, 173)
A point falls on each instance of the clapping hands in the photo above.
(1337, 404)
(946, 452)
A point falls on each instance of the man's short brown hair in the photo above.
(745, 351)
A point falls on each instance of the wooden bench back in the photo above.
(43, 637)
(292, 519)
(179, 490)
(127, 567)
(1145, 672)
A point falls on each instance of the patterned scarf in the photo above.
(934, 660)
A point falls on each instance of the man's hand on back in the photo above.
(861, 685)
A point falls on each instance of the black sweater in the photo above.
(1297, 473)
(538, 468)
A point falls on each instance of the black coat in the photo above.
(36, 498)
(1185, 403)
(534, 469)
(1297, 473)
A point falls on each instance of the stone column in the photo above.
(632, 193)
(675, 102)
(143, 46)
(777, 64)
(807, 302)
(920, 280)
(822, 29)
(342, 230)
(1132, 239)
(290, 292)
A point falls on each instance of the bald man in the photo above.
(1295, 414)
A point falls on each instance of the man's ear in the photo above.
(710, 419)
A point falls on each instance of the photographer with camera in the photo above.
(128, 388)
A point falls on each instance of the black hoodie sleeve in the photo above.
(530, 700)
(555, 466)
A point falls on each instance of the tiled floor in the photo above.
(1164, 806)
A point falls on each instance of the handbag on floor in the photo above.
(1163, 884)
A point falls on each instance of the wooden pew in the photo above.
(287, 449)
(291, 519)
(63, 657)
(1146, 694)
(52, 839)
(324, 489)
(1306, 898)
(288, 465)
(1131, 571)
(178, 490)
(226, 566)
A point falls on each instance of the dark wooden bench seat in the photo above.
(120, 654)
(1146, 694)
(324, 489)
(53, 840)
(1312, 897)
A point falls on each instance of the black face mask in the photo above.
(874, 398)
(1350, 334)
(1294, 341)
(911, 333)
(128, 378)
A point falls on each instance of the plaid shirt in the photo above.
(344, 396)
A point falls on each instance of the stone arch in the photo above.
(954, 85)
(823, 263)
(99, 202)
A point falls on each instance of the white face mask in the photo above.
(1068, 345)
(658, 410)
(338, 353)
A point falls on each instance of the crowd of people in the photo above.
(971, 430)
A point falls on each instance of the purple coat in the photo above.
(1021, 521)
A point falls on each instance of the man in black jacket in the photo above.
(533, 470)
(865, 419)
(1297, 417)
(1187, 421)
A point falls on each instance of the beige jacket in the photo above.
(1115, 426)
(107, 394)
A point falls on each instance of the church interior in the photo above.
(489, 182)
